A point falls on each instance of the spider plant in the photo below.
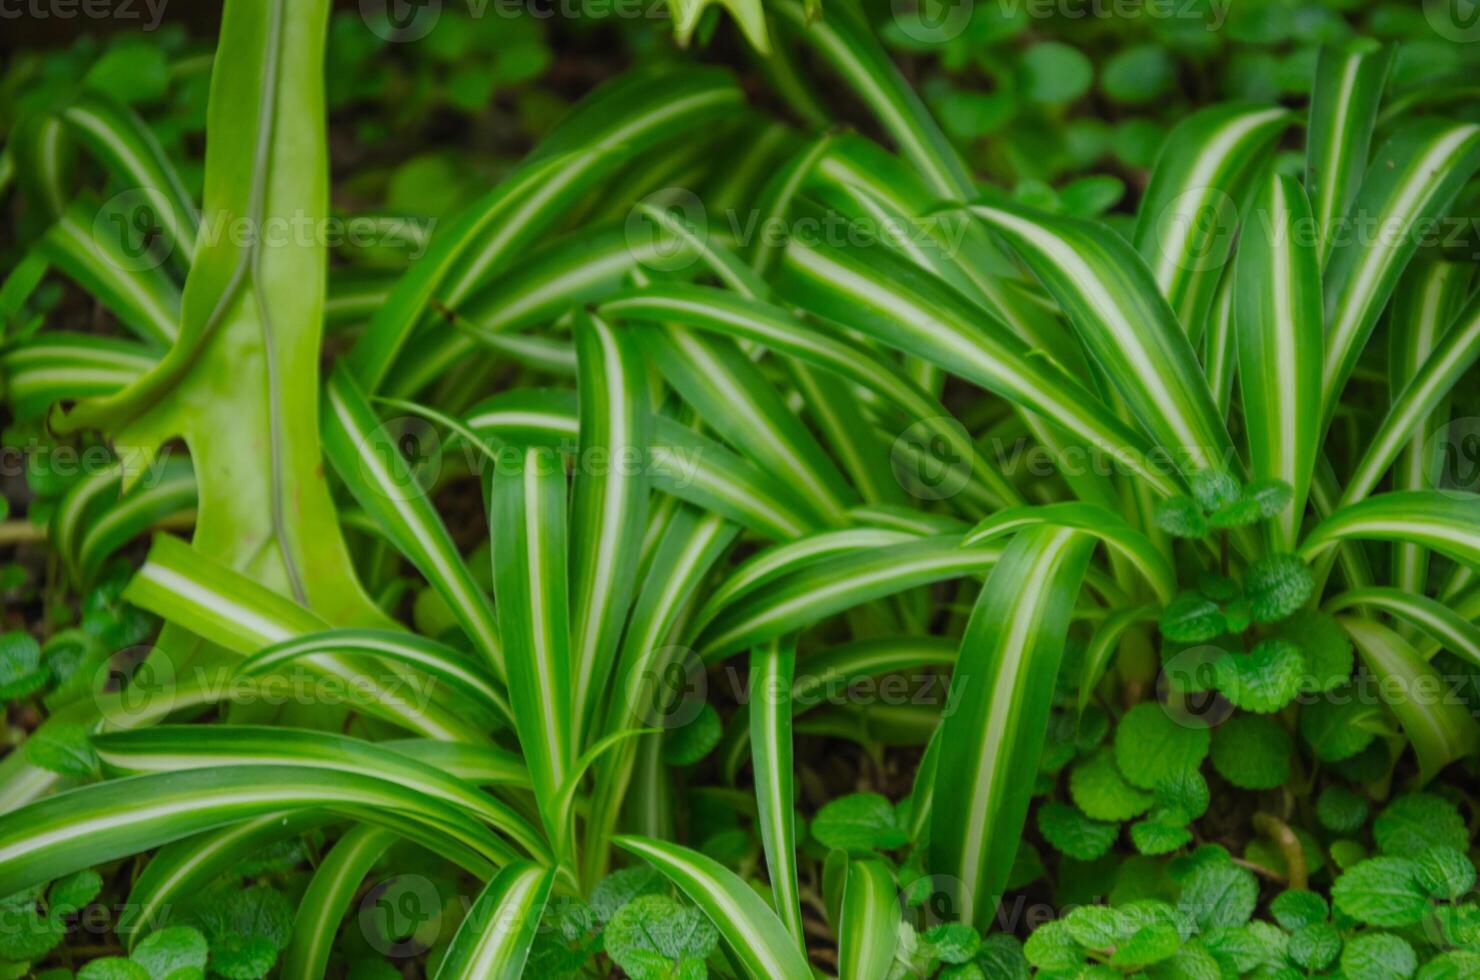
(743, 454)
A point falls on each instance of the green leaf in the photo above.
(1110, 297)
(1154, 837)
(1247, 947)
(1415, 822)
(1314, 946)
(63, 749)
(859, 822)
(1151, 748)
(868, 925)
(1055, 73)
(758, 940)
(1440, 729)
(1097, 788)
(1276, 586)
(242, 957)
(125, 816)
(327, 899)
(527, 505)
(1050, 947)
(621, 887)
(1339, 725)
(1454, 965)
(1001, 957)
(171, 949)
(609, 506)
(1095, 926)
(1147, 945)
(1281, 338)
(68, 895)
(1298, 907)
(1187, 218)
(21, 671)
(1447, 873)
(113, 968)
(1382, 891)
(1344, 102)
(1378, 956)
(1415, 176)
(772, 675)
(1180, 516)
(653, 937)
(180, 747)
(633, 113)
(1214, 489)
(1326, 648)
(1105, 525)
(887, 298)
(247, 354)
(1263, 680)
(1252, 752)
(1003, 687)
(692, 741)
(952, 942)
(27, 934)
(1139, 74)
(371, 458)
(1218, 894)
(1192, 618)
(1074, 834)
(1186, 792)
(494, 939)
(1341, 809)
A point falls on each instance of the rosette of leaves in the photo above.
(789, 503)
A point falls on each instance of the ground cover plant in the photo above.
(877, 493)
